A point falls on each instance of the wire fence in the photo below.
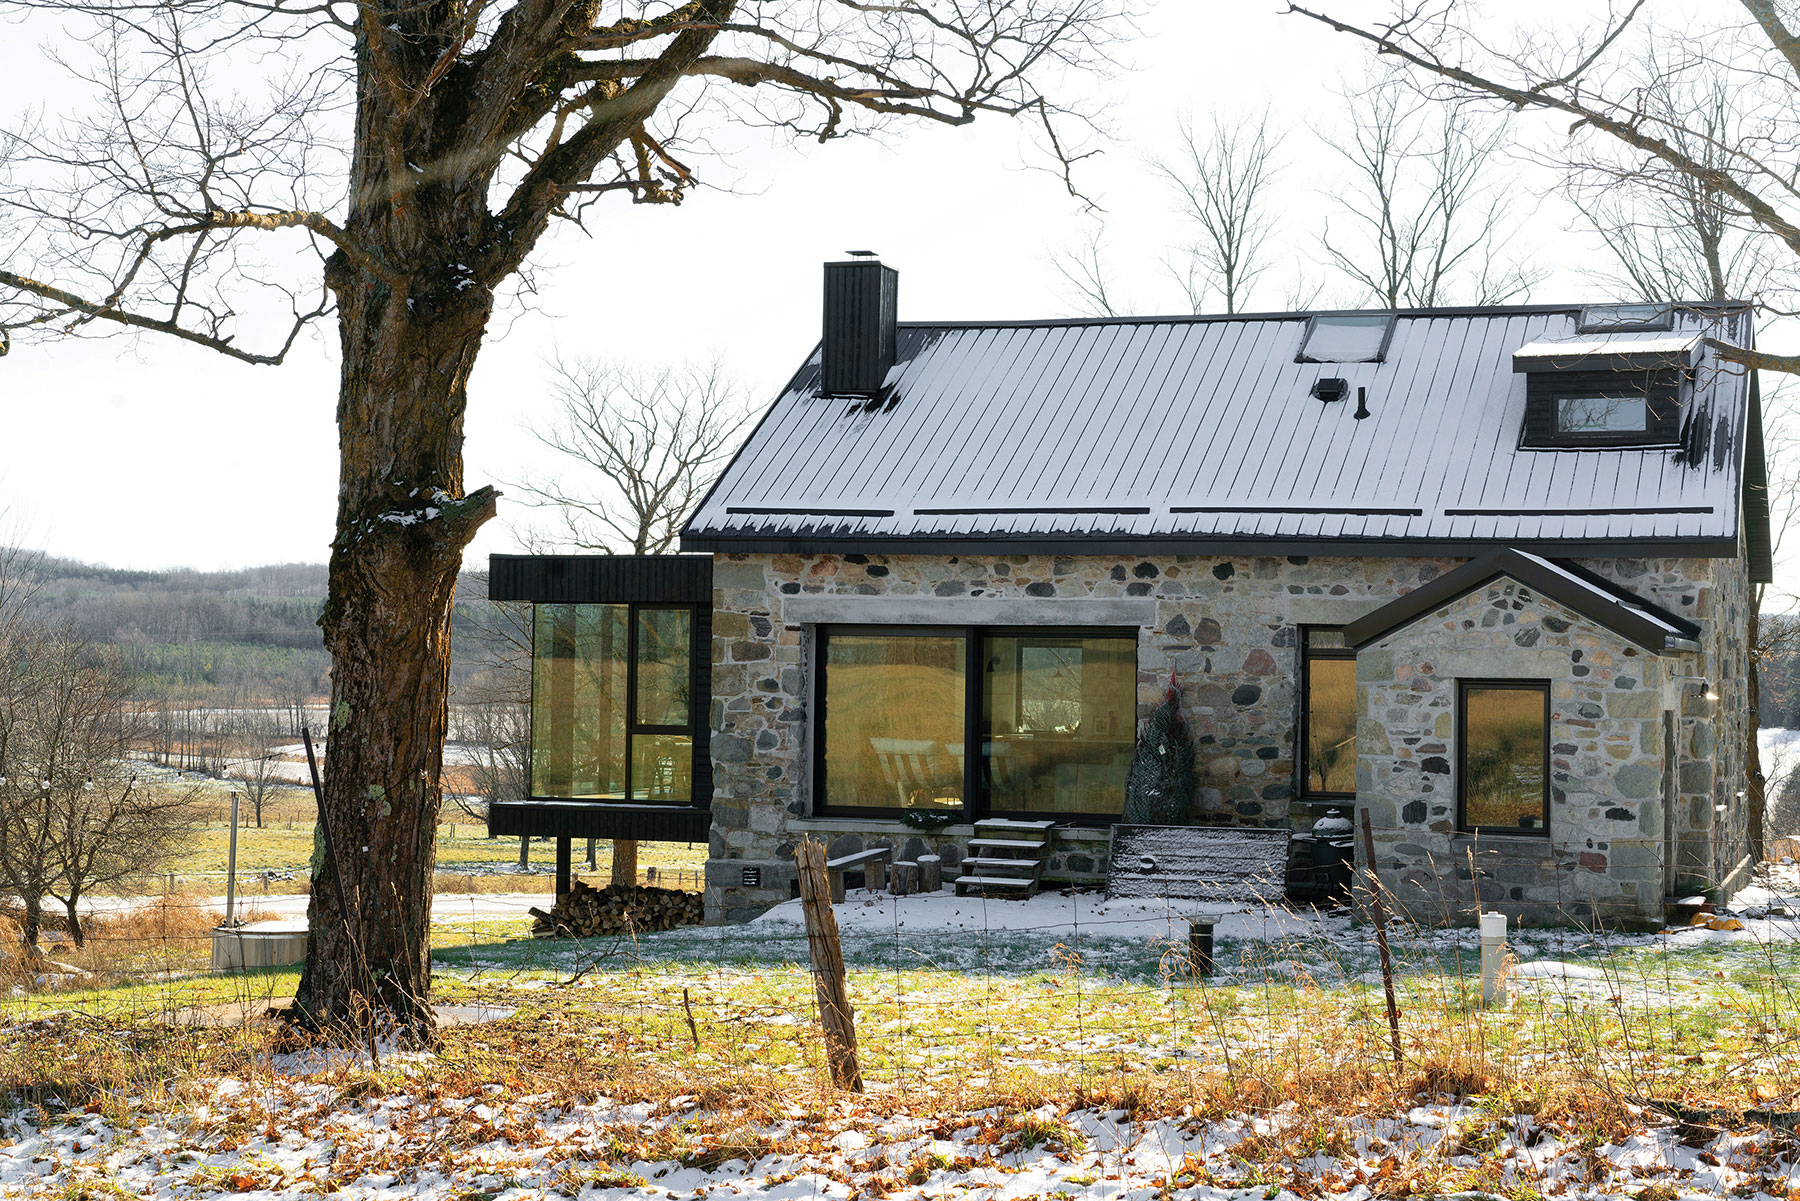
(953, 991)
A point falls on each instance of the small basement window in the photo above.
(1346, 338)
(1606, 318)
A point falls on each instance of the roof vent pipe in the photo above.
(859, 343)
(1362, 403)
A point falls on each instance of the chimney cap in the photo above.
(861, 254)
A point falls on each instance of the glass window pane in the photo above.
(1503, 765)
(662, 768)
(662, 667)
(1059, 722)
(1602, 414)
(1598, 318)
(1331, 725)
(578, 670)
(894, 706)
(1346, 338)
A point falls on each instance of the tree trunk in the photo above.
(31, 922)
(624, 865)
(72, 905)
(402, 523)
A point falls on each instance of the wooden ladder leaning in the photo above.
(1006, 859)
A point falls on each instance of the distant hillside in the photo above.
(226, 637)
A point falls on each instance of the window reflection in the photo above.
(578, 700)
(662, 667)
(1602, 414)
(1330, 722)
(1504, 746)
(1058, 717)
(894, 707)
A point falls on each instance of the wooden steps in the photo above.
(1006, 858)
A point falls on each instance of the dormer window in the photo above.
(1621, 391)
(1577, 415)
(1346, 338)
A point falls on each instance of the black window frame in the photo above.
(1380, 356)
(976, 784)
(695, 729)
(1463, 688)
(1661, 390)
(1302, 789)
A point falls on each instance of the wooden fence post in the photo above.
(1380, 915)
(835, 1015)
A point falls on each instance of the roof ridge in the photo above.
(1499, 310)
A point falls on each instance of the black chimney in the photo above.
(861, 298)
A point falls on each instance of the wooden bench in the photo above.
(874, 863)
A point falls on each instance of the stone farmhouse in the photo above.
(1482, 574)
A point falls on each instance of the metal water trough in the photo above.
(259, 944)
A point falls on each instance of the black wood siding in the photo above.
(1544, 388)
(601, 579)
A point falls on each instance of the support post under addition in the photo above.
(564, 868)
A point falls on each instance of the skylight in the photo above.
(1603, 318)
(1346, 338)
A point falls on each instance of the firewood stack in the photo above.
(586, 912)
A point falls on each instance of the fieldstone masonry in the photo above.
(1229, 629)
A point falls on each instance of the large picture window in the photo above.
(1327, 714)
(894, 719)
(1052, 715)
(1503, 752)
(1058, 722)
(611, 703)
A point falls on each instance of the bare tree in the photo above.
(645, 443)
(418, 153)
(1609, 85)
(258, 774)
(72, 816)
(1223, 178)
(1089, 283)
(1424, 218)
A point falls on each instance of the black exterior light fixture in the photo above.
(1331, 387)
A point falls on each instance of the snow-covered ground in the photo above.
(282, 1137)
(1146, 940)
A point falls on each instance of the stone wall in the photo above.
(1603, 855)
(1228, 627)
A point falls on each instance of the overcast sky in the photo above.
(149, 453)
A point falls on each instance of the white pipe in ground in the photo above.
(1493, 958)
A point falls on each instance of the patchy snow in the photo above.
(288, 1135)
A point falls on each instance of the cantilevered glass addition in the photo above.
(893, 723)
(1503, 742)
(611, 701)
(1052, 713)
(1058, 722)
(1328, 672)
(1346, 338)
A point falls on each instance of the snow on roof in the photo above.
(1202, 435)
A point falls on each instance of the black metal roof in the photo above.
(1200, 435)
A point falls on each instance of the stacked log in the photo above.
(587, 912)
